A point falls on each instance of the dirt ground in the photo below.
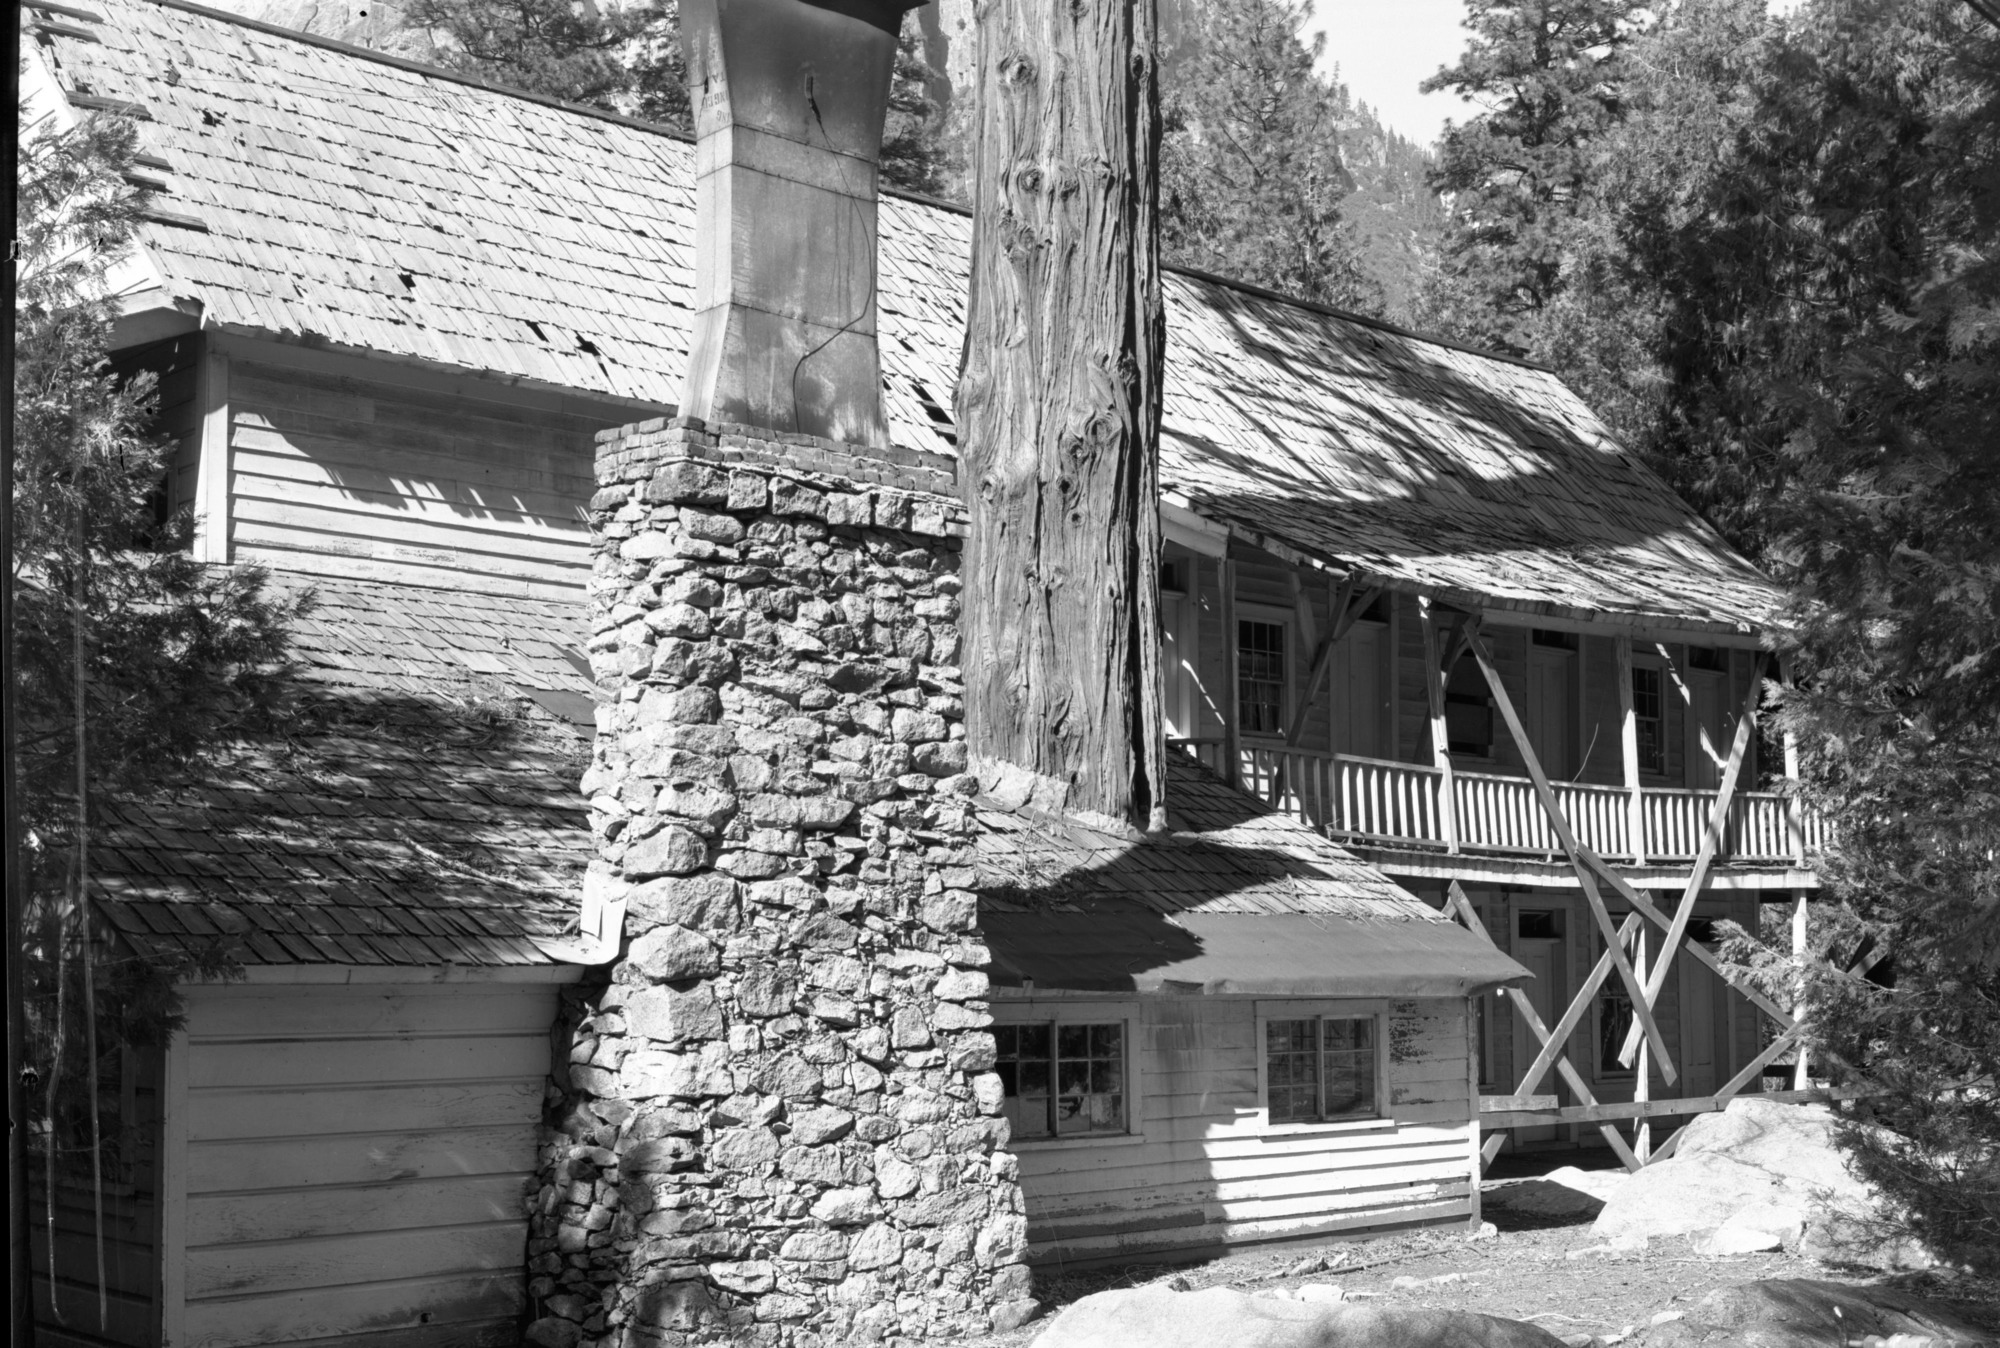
(1548, 1270)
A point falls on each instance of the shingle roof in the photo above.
(1235, 898)
(1223, 852)
(408, 816)
(354, 199)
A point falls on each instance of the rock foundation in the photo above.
(780, 1124)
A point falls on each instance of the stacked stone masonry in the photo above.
(778, 1121)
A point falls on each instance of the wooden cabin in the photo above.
(1233, 1032)
(390, 307)
(339, 1143)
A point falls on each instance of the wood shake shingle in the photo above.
(364, 202)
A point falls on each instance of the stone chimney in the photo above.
(789, 101)
(773, 1117)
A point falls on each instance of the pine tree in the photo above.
(1251, 179)
(628, 59)
(566, 49)
(130, 658)
(1394, 216)
(1835, 356)
(1622, 245)
(1551, 75)
(1783, 276)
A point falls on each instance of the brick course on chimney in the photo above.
(779, 1123)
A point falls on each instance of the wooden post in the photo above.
(1642, 1081)
(1232, 711)
(211, 501)
(1440, 736)
(1628, 738)
(1579, 1005)
(1795, 814)
(1551, 1046)
(1652, 913)
(1476, 1159)
(1642, 1010)
(1059, 406)
(1801, 1077)
(1711, 843)
(170, 1174)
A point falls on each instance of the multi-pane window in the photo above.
(1649, 710)
(1260, 677)
(1063, 1080)
(1320, 1067)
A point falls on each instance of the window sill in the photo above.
(1284, 1132)
(1066, 1143)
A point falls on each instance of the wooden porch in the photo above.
(1600, 833)
(1402, 805)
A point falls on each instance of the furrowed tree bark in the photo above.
(1058, 407)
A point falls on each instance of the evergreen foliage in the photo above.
(627, 59)
(131, 659)
(1396, 219)
(1776, 270)
(1550, 74)
(173, 653)
(1251, 178)
(560, 48)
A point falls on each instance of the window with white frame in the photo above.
(1065, 1077)
(1649, 713)
(1260, 676)
(1320, 1064)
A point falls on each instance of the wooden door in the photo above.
(1704, 1017)
(1547, 992)
(1717, 717)
(1552, 709)
(1362, 720)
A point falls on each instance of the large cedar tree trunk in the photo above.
(1059, 406)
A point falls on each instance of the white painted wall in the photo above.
(1203, 1170)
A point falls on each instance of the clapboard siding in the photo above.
(424, 480)
(129, 1106)
(1203, 1171)
(356, 1162)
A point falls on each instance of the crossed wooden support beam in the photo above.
(1590, 868)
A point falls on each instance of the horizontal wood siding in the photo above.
(1204, 1172)
(357, 1162)
(130, 1124)
(423, 483)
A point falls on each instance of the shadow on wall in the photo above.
(419, 479)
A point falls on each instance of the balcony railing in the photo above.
(1374, 800)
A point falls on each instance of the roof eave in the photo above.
(1659, 625)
